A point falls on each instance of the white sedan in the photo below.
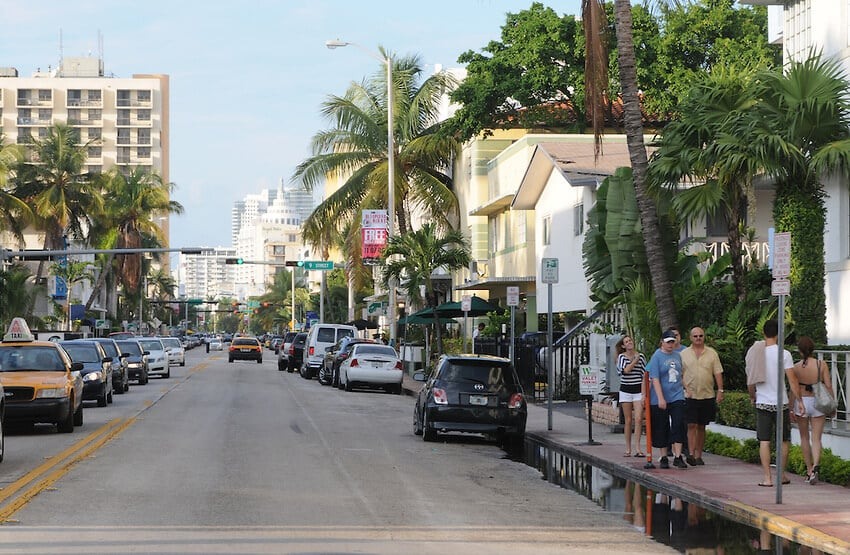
(215, 344)
(372, 365)
(157, 357)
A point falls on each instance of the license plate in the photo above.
(479, 400)
(245, 350)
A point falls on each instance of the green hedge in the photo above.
(736, 410)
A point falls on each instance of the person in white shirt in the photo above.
(763, 385)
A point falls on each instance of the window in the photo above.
(43, 132)
(45, 95)
(144, 96)
(74, 115)
(95, 114)
(144, 136)
(94, 96)
(94, 133)
(144, 115)
(123, 155)
(143, 152)
(123, 136)
(123, 117)
(123, 99)
(45, 114)
(578, 220)
(95, 152)
(547, 230)
(74, 97)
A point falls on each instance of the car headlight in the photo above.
(134, 365)
(93, 377)
(51, 393)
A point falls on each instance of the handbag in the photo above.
(824, 401)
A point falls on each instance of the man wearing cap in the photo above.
(702, 372)
(667, 400)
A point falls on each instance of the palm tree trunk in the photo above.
(101, 280)
(733, 233)
(633, 123)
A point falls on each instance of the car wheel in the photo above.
(78, 416)
(280, 367)
(143, 380)
(109, 397)
(229, 359)
(126, 384)
(66, 425)
(348, 386)
(334, 379)
(103, 399)
(183, 363)
(259, 361)
(168, 372)
(118, 387)
(427, 433)
(417, 427)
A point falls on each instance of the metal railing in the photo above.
(838, 362)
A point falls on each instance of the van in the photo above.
(319, 338)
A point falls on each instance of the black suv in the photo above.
(294, 355)
(472, 394)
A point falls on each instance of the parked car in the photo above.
(294, 357)
(334, 355)
(137, 359)
(40, 381)
(275, 344)
(319, 338)
(372, 365)
(215, 344)
(245, 348)
(116, 335)
(98, 378)
(283, 350)
(120, 376)
(472, 394)
(175, 350)
(157, 357)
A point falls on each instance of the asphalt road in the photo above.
(241, 458)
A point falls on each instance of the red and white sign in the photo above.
(373, 233)
(371, 219)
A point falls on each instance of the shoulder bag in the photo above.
(824, 401)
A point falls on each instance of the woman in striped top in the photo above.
(631, 366)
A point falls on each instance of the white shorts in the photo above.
(631, 397)
(809, 403)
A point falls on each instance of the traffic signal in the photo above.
(298, 263)
(233, 261)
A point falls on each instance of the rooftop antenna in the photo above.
(61, 49)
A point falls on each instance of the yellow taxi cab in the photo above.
(40, 382)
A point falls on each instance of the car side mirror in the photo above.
(107, 359)
(419, 376)
(125, 355)
(76, 367)
(146, 352)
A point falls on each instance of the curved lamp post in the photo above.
(386, 60)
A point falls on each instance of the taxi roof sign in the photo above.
(18, 331)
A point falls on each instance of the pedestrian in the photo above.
(631, 366)
(667, 401)
(763, 384)
(702, 371)
(476, 334)
(810, 421)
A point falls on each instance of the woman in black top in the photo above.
(631, 366)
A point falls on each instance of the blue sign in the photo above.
(61, 290)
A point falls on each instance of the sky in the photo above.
(247, 78)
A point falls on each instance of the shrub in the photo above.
(737, 411)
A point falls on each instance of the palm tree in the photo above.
(420, 253)
(14, 213)
(127, 221)
(595, 22)
(805, 133)
(356, 149)
(14, 295)
(709, 146)
(57, 189)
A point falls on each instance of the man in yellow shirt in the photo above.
(702, 371)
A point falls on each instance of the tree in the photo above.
(14, 213)
(57, 189)
(127, 221)
(592, 15)
(805, 133)
(709, 147)
(14, 295)
(420, 252)
(355, 148)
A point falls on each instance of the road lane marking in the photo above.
(57, 466)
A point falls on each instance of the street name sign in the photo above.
(319, 265)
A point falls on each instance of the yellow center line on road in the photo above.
(58, 466)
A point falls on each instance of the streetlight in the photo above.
(386, 60)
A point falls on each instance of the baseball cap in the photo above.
(668, 336)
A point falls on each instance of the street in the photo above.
(242, 458)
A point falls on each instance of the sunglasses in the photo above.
(697, 336)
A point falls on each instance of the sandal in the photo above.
(627, 454)
(639, 455)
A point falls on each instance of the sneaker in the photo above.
(700, 462)
(664, 463)
(813, 477)
(679, 462)
(691, 461)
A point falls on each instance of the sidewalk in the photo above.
(817, 516)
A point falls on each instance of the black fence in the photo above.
(531, 352)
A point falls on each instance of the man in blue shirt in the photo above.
(667, 400)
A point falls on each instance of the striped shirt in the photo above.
(635, 377)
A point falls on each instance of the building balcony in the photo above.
(133, 103)
(33, 102)
(77, 103)
(131, 122)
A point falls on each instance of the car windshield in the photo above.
(326, 335)
(82, 352)
(130, 347)
(151, 344)
(243, 342)
(374, 350)
(171, 342)
(20, 358)
(478, 372)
